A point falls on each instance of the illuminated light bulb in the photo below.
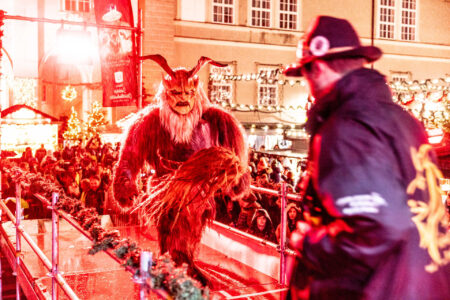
(260, 107)
(252, 107)
(426, 114)
(281, 82)
(291, 82)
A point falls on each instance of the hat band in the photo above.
(307, 52)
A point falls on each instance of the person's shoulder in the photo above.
(343, 126)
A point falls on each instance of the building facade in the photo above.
(256, 38)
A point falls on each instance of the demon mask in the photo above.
(180, 84)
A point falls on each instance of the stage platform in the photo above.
(238, 268)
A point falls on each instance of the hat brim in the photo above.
(370, 53)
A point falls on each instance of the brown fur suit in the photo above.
(165, 140)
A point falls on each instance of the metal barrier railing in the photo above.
(52, 266)
(282, 247)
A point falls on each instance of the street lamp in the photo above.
(75, 47)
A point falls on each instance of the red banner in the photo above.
(117, 48)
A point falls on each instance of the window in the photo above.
(260, 13)
(288, 14)
(77, 5)
(397, 19)
(267, 86)
(223, 11)
(408, 24)
(220, 90)
(387, 12)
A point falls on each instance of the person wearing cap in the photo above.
(371, 178)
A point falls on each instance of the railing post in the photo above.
(283, 235)
(55, 257)
(145, 261)
(140, 39)
(18, 238)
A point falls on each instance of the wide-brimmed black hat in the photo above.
(329, 38)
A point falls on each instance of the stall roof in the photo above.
(15, 108)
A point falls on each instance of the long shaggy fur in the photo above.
(182, 203)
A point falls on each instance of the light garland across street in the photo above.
(427, 99)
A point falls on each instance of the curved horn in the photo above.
(160, 60)
(203, 61)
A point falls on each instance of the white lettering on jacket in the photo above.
(356, 204)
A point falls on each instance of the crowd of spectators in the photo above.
(85, 173)
(260, 213)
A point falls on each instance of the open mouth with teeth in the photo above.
(182, 103)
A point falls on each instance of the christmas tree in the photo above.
(96, 120)
(73, 132)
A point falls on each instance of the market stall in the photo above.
(23, 126)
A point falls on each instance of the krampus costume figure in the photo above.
(195, 149)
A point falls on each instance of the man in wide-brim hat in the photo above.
(382, 229)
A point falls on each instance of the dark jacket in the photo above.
(368, 161)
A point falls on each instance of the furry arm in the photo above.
(227, 132)
(133, 153)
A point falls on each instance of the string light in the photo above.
(69, 93)
(25, 91)
(260, 108)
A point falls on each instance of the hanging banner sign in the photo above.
(117, 48)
